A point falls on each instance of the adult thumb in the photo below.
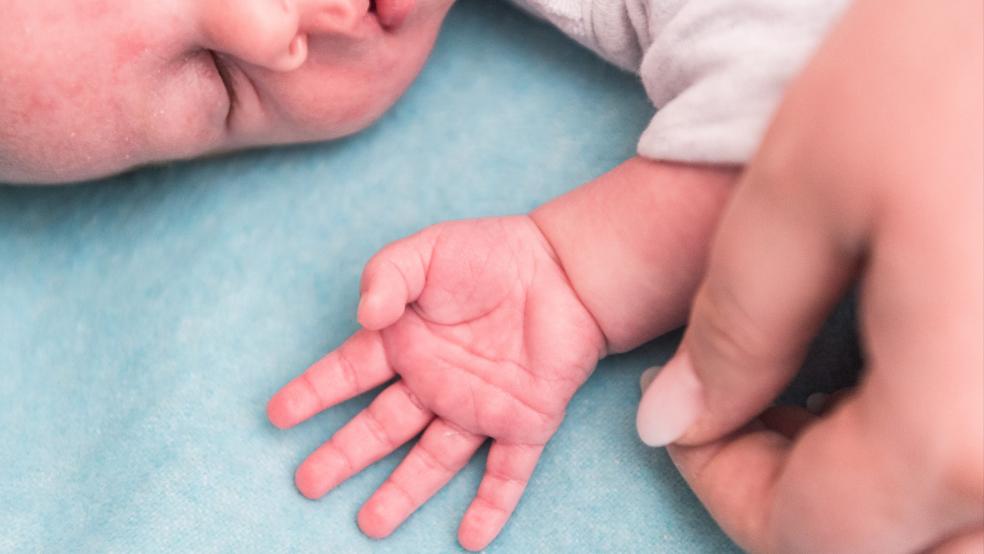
(777, 267)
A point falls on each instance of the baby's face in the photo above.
(93, 87)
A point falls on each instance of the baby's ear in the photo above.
(329, 17)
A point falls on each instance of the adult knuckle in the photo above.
(725, 332)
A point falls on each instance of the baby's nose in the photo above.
(260, 32)
(274, 33)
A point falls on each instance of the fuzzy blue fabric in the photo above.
(146, 319)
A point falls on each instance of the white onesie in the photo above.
(714, 69)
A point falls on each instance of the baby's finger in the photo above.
(507, 471)
(393, 278)
(441, 452)
(355, 367)
(393, 418)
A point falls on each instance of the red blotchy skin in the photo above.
(128, 48)
(480, 325)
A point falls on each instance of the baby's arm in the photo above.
(633, 243)
(486, 329)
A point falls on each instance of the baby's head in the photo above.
(93, 87)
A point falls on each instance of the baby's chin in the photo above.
(32, 169)
(51, 174)
(80, 166)
(76, 166)
(50, 155)
(37, 166)
(102, 154)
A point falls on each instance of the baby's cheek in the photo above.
(185, 115)
(43, 138)
(127, 48)
(339, 92)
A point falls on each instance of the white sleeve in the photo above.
(717, 69)
(714, 69)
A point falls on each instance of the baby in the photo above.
(486, 327)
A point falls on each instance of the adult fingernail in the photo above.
(647, 377)
(671, 404)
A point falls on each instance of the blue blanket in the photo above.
(146, 319)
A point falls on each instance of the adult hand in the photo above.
(872, 171)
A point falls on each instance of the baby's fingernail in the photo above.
(647, 377)
(293, 403)
(361, 312)
(671, 403)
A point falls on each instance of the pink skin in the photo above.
(496, 339)
(94, 87)
(494, 344)
(489, 327)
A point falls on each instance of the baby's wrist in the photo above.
(548, 233)
(563, 250)
(633, 243)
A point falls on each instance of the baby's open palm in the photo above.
(486, 337)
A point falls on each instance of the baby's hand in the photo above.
(486, 337)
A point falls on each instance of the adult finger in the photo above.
(441, 452)
(393, 418)
(507, 471)
(355, 367)
(964, 542)
(775, 270)
(841, 485)
(828, 183)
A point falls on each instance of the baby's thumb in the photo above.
(393, 278)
